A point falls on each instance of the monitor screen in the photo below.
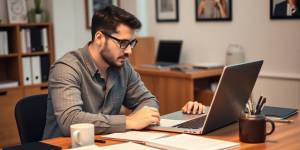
(169, 51)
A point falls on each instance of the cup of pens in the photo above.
(253, 124)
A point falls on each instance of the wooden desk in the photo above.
(173, 88)
(285, 136)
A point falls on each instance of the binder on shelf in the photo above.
(45, 39)
(28, 41)
(27, 79)
(3, 43)
(36, 69)
(36, 39)
(23, 40)
(45, 68)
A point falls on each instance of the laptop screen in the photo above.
(169, 51)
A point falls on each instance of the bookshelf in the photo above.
(12, 69)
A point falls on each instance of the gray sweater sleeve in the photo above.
(65, 93)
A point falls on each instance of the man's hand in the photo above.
(142, 118)
(193, 107)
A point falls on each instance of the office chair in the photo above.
(30, 115)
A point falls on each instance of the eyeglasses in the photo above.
(123, 43)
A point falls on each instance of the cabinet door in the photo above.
(8, 129)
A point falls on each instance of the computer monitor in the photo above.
(169, 51)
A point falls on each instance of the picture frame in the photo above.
(280, 10)
(167, 10)
(17, 11)
(92, 5)
(213, 10)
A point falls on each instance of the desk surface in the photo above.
(167, 72)
(286, 136)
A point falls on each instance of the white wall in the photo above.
(275, 41)
(69, 26)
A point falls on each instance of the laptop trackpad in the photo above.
(178, 115)
(177, 118)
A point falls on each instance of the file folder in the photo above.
(36, 69)
(27, 79)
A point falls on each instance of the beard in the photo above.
(110, 60)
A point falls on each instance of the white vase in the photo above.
(38, 18)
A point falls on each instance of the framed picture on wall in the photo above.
(17, 11)
(284, 9)
(91, 6)
(167, 10)
(213, 10)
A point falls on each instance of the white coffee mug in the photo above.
(82, 134)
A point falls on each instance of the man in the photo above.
(89, 85)
(287, 8)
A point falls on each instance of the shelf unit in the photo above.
(11, 68)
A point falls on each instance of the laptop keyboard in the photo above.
(192, 124)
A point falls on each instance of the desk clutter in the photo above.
(154, 141)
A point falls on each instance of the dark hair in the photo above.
(108, 18)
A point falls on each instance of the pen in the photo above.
(258, 104)
(100, 141)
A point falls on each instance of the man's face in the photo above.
(112, 53)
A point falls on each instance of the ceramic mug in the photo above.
(252, 128)
(82, 134)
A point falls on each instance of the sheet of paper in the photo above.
(135, 136)
(122, 146)
(169, 122)
(128, 146)
(190, 142)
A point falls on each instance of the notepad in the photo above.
(138, 136)
(279, 112)
(122, 146)
(190, 142)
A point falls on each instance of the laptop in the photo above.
(168, 54)
(232, 93)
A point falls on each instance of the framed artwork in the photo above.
(167, 10)
(284, 9)
(91, 6)
(213, 10)
(17, 11)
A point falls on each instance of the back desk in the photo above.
(173, 88)
(285, 136)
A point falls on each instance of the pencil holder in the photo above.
(252, 128)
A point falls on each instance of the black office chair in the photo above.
(30, 115)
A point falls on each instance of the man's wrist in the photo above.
(128, 124)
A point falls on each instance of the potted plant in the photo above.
(38, 10)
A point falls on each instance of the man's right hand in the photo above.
(142, 118)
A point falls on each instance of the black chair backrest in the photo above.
(30, 114)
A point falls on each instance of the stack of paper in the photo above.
(135, 136)
(123, 146)
(190, 142)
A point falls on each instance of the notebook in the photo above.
(190, 142)
(279, 112)
(232, 93)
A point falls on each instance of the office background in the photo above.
(275, 41)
